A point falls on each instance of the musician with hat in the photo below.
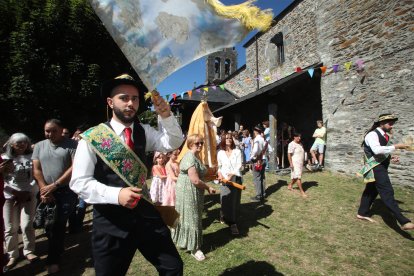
(109, 172)
(377, 149)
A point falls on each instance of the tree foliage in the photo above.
(54, 56)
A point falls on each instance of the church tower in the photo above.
(221, 64)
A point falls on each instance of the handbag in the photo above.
(258, 165)
(45, 216)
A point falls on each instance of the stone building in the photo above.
(312, 33)
(221, 65)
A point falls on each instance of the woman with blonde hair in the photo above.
(190, 199)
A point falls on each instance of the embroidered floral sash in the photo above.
(118, 156)
(370, 163)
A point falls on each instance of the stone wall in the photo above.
(227, 53)
(300, 42)
(334, 32)
(381, 34)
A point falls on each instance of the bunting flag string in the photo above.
(358, 65)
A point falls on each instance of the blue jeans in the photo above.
(65, 201)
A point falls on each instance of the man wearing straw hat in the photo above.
(107, 167)
(377, 150)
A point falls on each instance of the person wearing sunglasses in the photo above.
(190, 199)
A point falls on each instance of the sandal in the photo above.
(32, 257)
(199, 255)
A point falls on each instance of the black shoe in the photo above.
(255, 199)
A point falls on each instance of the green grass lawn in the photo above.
(291, 235)
(287, 235)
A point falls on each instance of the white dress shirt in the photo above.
(169, 137)
(372, 141)
(229, 165)
(258, 145)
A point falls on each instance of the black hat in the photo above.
(386, 117)
(109, 85)
(258, 128)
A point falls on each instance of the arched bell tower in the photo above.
(221, 64)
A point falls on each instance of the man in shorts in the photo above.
(319, 144)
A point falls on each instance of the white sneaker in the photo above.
(198, 255)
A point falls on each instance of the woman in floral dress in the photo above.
(190, 199)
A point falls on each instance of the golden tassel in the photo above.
(248, 14)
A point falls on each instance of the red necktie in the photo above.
(128, 139)
(386, 137)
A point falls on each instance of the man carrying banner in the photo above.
(378, 149)
(108, 169)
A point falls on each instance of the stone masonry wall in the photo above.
(300, 42)
(382, 34)
(334, 32)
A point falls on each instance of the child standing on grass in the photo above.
(173, 169)
(159, 177)
(296, 156)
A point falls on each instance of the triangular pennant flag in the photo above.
(198, 90)
(360, 64)
(267, 78)
(167, 97)
(323, 69)
(222, 86)
(190, 93)
(298, 69)
(182, 95)
(214, 87)
(205, 89)
(310, 72)
(348, 65)
(335, 68)
(174, 96)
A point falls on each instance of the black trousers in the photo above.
(65, 201)
(230, 201)
(113, 255)
(258, 180)
(383, 187)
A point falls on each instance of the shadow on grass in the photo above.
(379, 208)
(250, 214)
(308, 184)
(271, 189)
(75, 260)
(252, 268)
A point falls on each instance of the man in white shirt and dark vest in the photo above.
(377, 149)
(109, 162)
